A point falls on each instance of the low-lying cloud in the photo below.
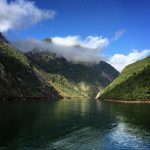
(20, 14)
(77, 50)
(120, 61)
(73, 48)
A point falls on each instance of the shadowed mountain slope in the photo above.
(73, 79)
(19, 78)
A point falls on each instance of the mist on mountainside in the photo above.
(74, 50)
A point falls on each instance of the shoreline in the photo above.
(128, 102)
(37, 98)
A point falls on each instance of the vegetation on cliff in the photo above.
(19, 77)
(73, 79)
(132, 84)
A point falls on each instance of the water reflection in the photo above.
(74, 124)
(125, 137)
(80, 107)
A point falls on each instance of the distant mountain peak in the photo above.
(48, 40)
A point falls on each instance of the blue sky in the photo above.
(95, 18)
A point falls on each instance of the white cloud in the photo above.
(120, 61)
(77, 50)
(91, 42)
(73, 48)
(20, 14)
(118, 34)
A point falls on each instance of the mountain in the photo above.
(19, 78)
(132, 84)
(70, 79)
(39, 74)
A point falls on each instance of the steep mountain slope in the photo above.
(73, 80)
(19, 77)
(132, 84)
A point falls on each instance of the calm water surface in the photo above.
(74, 125)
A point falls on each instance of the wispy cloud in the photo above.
(118, 34)
(73, 48)
(120, 61)
(20, 14)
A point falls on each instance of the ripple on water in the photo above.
(125, 137)
(86, 138)
(121, 137)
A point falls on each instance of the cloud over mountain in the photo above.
(20, 14)
(119, 61)
(91, 42)
(73, 48)
(88, 50)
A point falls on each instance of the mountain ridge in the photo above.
(18, 80)
(78, 77)
(132, 84)
(44, 74)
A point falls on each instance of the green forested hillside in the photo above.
(18, 77)
(70, 79)
(132, 84)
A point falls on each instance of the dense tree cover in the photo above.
(132, 84)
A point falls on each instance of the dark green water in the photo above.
(74, 125)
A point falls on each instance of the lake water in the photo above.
(74, 125)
